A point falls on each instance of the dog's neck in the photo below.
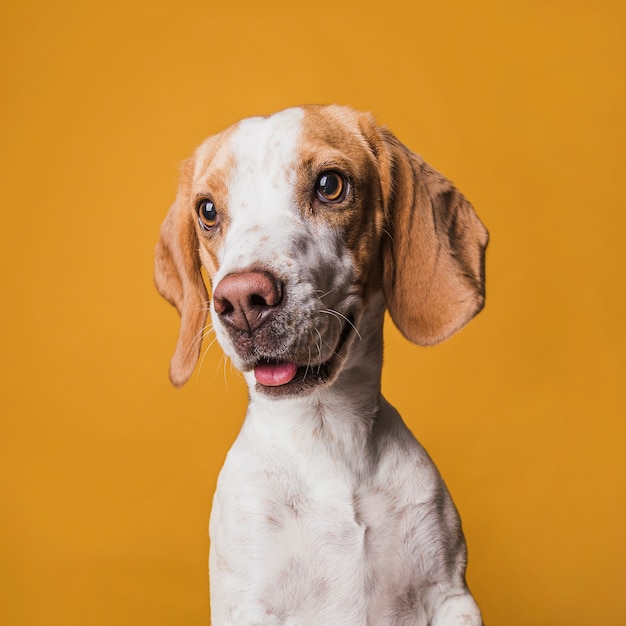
(338, 418)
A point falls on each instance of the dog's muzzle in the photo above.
(268, 338)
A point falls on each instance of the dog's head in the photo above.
(301, 219)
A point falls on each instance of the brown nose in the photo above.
(244, 300)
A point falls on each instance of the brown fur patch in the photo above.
(214, 167)
(332, 139)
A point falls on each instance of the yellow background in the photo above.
(107, 471)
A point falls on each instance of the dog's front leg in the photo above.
(457, 610)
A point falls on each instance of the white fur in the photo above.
(327, 510)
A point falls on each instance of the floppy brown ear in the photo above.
(434, 280)
(178, 278)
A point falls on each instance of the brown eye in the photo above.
(207, 214)
(331, 187)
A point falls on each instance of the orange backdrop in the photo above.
(107, 471)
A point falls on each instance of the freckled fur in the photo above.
(327, 511)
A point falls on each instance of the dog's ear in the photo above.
(434, 248)
(179, 280)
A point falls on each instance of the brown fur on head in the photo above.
(179, 280)
(432, 244)
(434, 254)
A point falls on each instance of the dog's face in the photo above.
(292, 206)
(300, 219)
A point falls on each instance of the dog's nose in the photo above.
(245, 300)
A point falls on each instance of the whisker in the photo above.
(338, 315)
(197, 339)
(204, 309)
(202, 334)
(205, 352)
(319, 350)
(319, 345)
(329, 291)
(308, 363)
(225, 361)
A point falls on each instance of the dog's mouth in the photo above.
(286, 377)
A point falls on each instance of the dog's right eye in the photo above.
(331, 187)
(207, 214)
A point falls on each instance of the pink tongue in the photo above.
(275, 374)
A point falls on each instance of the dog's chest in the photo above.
(296, 552)
(300, 535)
(299, 505)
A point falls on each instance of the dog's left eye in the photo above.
(331, 186)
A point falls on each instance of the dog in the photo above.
(310, 224)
